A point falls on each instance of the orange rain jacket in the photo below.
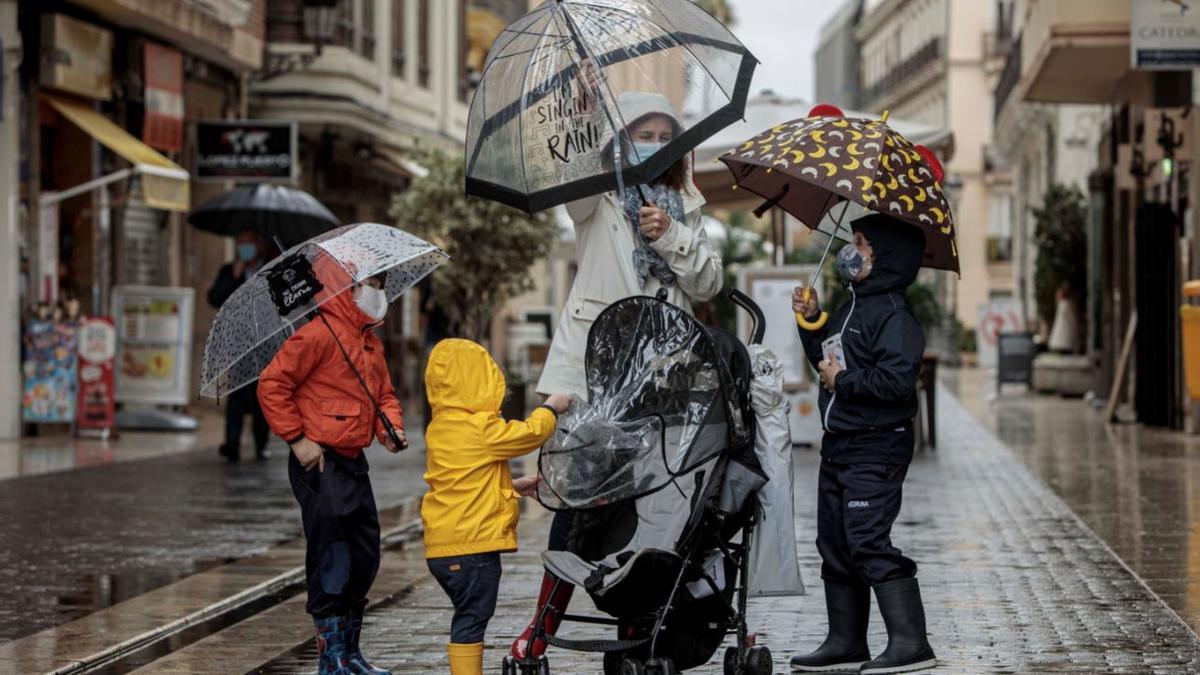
(308, 391)
(471, 506)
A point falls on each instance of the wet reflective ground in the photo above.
(80, 540)
(1137, 488)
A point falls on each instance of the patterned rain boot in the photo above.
(358, 662)
(331, 646)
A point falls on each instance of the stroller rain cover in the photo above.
(659, 406)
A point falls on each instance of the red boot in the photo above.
(521, 649)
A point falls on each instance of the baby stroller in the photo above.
(660, 470)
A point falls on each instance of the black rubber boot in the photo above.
(908, 647)
(845, 647)
(230, 452)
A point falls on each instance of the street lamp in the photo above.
(320, 24)
(320, 21)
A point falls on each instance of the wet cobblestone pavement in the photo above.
(1013, 581)
(1138, 489)
(80, 540)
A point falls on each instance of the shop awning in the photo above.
(165, 185)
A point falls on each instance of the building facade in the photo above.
(837, 58)
(1077, 104)
(103, 96)
(934, 62)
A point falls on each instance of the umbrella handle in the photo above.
(811, 325)
(391, 430)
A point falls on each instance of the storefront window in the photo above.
(423, 65)
(399, 39)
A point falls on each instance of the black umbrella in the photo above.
(271, 210)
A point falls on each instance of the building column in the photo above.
(10, 302)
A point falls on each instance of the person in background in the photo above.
(248, 259)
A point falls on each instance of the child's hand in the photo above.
(560, 402)
(391, 446)
(526, 486)
(829, 372)
(310, 454)
(806, 306)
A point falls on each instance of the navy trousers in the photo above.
(341, 524)
(472, 582)
(856, 507)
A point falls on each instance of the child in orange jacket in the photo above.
(470, 511)
(314, 401)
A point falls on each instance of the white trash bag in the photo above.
(774, 565)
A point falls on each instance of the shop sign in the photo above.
(47, 247)
(246, 150)
(76, 57)
(1165, 34)
(50, 369)
(154, 344)
(97, 354)
(163, 124)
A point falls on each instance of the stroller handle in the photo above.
(758, 327)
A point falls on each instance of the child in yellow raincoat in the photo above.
(470, 512)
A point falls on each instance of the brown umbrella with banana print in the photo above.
(812, 165)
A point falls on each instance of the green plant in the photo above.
(968, 339)
(491, 246)
(922, 298)
(1060, 234)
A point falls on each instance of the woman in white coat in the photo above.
(647, 241)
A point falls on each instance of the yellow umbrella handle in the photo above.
(811, 325)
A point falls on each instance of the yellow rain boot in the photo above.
(466, 659)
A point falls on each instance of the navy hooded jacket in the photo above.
(867, 418)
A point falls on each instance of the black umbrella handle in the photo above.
(387, 424)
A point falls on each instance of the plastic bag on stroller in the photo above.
(774, 564)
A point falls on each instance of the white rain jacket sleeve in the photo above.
(696, 263)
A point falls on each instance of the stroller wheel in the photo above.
(543, 666)
(758, 661)
(663, 666)
(632, 667)
(612, 662)
(508, 667)
(731, 661)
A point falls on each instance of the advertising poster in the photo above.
(154, 330)
(995, 318)
(50, 369)
(97, 354)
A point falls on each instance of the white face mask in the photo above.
(372, 301)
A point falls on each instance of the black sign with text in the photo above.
(246, 149)
(292, 283)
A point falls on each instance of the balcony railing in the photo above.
(1008, 77)
(895, 78)
(999, 249)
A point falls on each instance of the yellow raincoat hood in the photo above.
(471, 507)
(462, 376)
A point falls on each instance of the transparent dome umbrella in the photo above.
(289, 291)
(562, 81)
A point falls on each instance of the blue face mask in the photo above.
(247, 252)
(849, 262)
(643, 151)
